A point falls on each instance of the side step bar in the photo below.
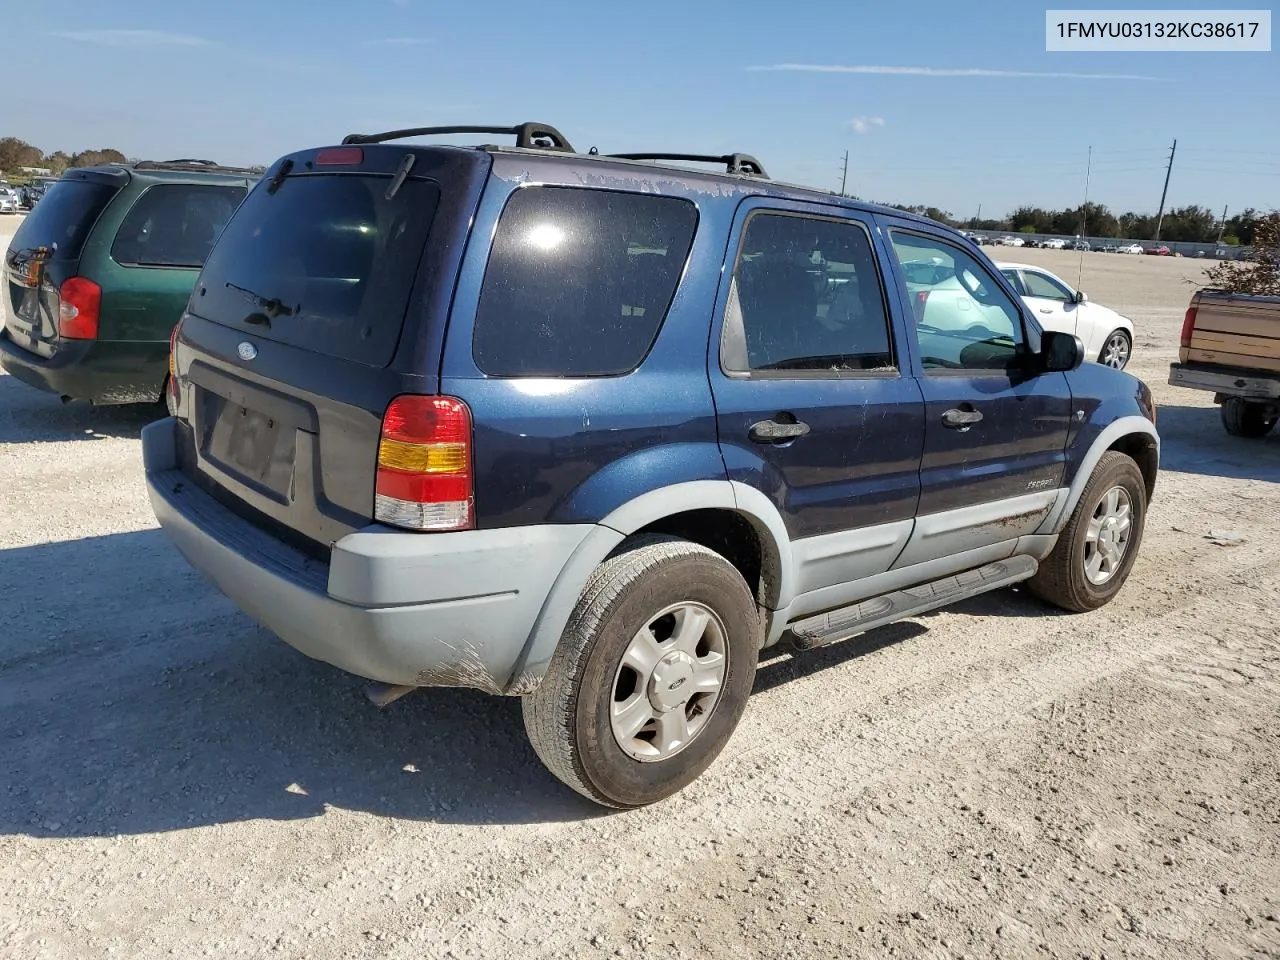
(845, 622)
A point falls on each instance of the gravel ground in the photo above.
(996, 780)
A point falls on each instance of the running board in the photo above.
(845, 622)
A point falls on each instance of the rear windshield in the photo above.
(175, 224)
(323, 262)
(63, 218)
(579, 281)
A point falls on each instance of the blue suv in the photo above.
(595, 430)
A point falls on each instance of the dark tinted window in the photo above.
(579, 281)
(64, 217)
(325, 262)
(806, 296)
(175, 224)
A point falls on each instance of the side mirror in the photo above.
(1060, 352)
(1081, 297)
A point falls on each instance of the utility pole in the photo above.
(1223, 225)
(844, 173)
(1164, 193)
(978, 219)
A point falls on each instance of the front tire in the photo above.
(1096, 551)
(651, 676)
(1244, 418)
(1116, 350)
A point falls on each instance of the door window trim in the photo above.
(731, 321)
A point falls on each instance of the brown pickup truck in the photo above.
(1231, 346)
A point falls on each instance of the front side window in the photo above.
(963, 319)
(1040, 285)
(579, 281)
(806, 297)
(175, 224)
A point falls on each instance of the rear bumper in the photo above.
(1254, 385)
(102, 371)
(451, 609)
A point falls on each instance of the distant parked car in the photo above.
(8, 201)
(100, 270)
(1011, 242)
(1079, 245)
(1129, 248)
(1054, 243)
(1161, 251)
(1107, 336)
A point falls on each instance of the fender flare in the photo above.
(634, 515)
(1121, 427)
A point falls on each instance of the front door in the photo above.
(995, 431)
(815, 404)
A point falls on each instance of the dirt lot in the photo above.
(991, 781)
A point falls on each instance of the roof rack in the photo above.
(528, 135)
(740, 163)
(189, 164)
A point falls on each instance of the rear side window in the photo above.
(325, 262)
(579, 281)
(63, 218)
(175, 224)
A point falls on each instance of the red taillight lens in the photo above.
(424, 477)
(340, 156)
(1188, 325)
(80, 300)
(922, 297)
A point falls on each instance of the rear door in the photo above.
(815, 403)
(995, 430)
(323, 298)
(46, 251)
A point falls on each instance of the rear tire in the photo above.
(665, 640)
(1096, 551)
(1246, 418)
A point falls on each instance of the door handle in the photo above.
(961, 420)
(774, 431)
(1046, 309)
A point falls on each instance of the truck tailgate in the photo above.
(1235, 332)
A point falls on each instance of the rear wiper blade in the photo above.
(271, 307)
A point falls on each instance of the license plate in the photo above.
(252, 445)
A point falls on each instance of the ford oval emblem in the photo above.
(247, 351)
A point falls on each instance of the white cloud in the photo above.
(865, 124)
(943, 72)
(134, 38)
(397, 42)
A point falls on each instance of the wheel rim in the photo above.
(1116, 352)
(1107, 540)
(669, 682)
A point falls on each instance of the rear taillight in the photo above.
(922, 297)
(424, 465)
(1188, 325)
(173, 370)
(78, 309)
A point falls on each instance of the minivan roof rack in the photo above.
(528, 135)
(740, 163)
(189, 164)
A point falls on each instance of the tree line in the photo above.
(16, 154)
(1192, 224)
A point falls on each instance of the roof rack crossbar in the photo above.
(739, 163)
(528, 135)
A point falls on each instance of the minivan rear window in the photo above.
(325, 262)
(62, 220)
(175, 224)
(579, 281)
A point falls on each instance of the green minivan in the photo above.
(98, 274)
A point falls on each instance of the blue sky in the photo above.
(245, 82)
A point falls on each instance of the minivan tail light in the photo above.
(1188, 326)
(922, 298)
(424, 479)
(174, 392)
(78, 306)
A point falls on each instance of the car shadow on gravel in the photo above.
(127, 712)
(1193, 440)
(29, 415)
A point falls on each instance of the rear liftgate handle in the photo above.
(783, 428)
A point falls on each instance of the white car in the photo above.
(1011, 242)
(1057, 243)
(8, 200)
(1130, 248)
(1107, 336)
